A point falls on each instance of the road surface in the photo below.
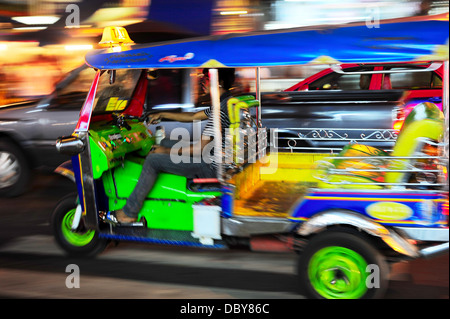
(33, 266)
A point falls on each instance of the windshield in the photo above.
(115, 97)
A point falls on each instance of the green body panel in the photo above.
(109, 144)
(117, 158)
(99, 159)
(168, 205)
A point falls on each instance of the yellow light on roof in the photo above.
(115, 36)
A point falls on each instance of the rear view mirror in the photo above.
(112, 76)
(152, 74)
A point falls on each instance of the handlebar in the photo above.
(119, 119)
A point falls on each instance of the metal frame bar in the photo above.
(433, 66)
(87, 176)
(445, 107)
(258, 96)
(90, 202)
(339, 134)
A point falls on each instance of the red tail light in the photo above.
(445, 211)
(398, 117)
(398, 125)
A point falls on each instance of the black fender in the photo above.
(66, 170)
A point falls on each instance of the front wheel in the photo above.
(342, 265)
(81, 242)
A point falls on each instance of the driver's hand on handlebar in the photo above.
(158, 149)
(154, 118)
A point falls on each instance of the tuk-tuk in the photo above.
(348, 215)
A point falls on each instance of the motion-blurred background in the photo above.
(48, 38)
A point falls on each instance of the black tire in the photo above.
(317, 265)
(15, 170)
(79, 243)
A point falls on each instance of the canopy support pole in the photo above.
(215, 98)
(258, 96)
(445, 106)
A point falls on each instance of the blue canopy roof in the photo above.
(396, 40)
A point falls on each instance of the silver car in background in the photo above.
(28, 130)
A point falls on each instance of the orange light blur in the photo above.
(398, 125)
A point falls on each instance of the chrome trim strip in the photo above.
(90, 205)
(425, 234)
(321, 221)
(247, 226)
(433, 251)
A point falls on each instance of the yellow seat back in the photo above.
(235, 106)
(425, 122)
(357, 179)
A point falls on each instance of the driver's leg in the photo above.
(153, 165)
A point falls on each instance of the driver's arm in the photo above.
(194, 149)
(179, 117)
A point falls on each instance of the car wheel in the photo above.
(14, 170)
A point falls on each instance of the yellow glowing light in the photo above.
(233, 12)
(21, 29)
(79, 47)
(117, 49)
(33, 20)
(398, 125)
(114, 36)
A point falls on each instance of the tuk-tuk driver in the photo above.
(159, 159)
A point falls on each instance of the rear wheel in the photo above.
(81, 242)
(342, 265)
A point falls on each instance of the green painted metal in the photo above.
(338, 273)
(109, 144)
(77, 239)
(168, 205)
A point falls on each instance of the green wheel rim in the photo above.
(338, 273)
(78, 239)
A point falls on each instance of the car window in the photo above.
(412, 80)
(336, 81)
(164, 87)
(436, 81)
(72, 95)
(81, 83)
